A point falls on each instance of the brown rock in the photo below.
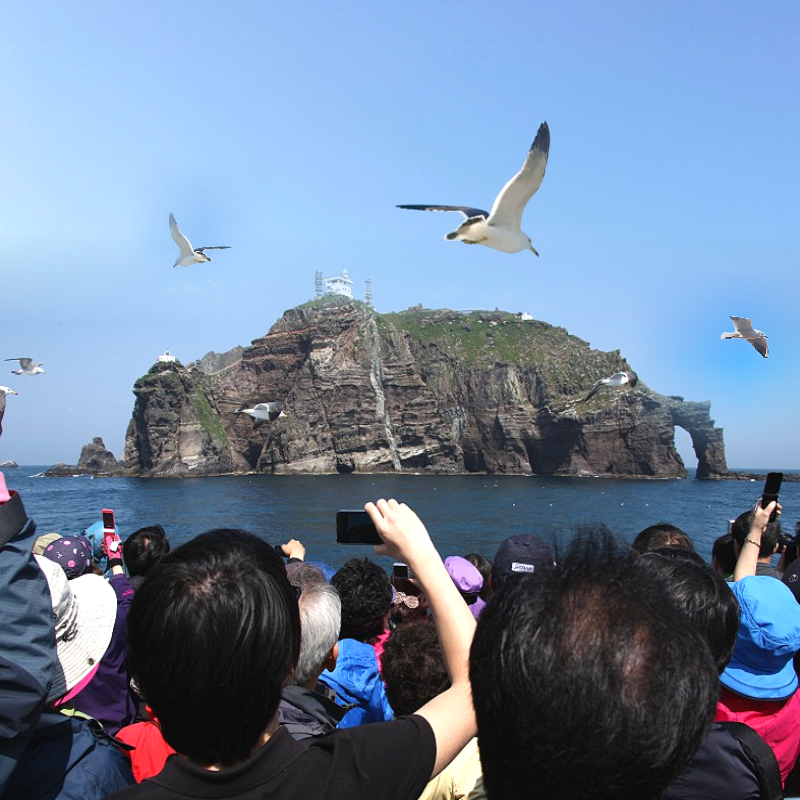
(417, 391)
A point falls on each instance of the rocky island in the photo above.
(414, 391)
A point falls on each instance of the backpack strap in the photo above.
(763, 758)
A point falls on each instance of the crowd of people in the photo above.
(231, 668)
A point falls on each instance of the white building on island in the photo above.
(339, 284)
(167, 358)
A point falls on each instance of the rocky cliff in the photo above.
(416, 391)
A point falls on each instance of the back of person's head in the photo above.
(412, 667)
(484, 566)
(143, 549)
(320, 620)
(213, 634)
(366, 594)
(588, 684)
(304, 575)
(769, 536)
(662, 534)
(700, 593)
(409, 604)
(723, 555)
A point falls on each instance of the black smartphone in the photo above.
(400, 572)
(772, 488)
(355, 527)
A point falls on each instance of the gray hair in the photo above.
(320, 620)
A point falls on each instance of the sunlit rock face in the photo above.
(415, 391)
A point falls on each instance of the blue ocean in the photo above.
(463, 513)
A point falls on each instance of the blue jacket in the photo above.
(357, 680)
(27, 636)
(67, 760)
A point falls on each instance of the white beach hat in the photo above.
(85, 610)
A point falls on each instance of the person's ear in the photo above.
(330, 660)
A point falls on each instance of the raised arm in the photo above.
(748, 555)
(449, 714)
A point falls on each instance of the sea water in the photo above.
(463, 513)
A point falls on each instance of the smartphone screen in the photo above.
(355, 527)
(400, 572)
(108, 519)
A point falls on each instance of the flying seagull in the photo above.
(7, 390)
(27, 366)
(188, 255)
(500, 228)
(264, 412)
(745, 330)
(627, 378)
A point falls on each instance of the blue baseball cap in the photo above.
(761, 666)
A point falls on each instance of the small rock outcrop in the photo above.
(415, 391)
(8, 465)
(95, 459)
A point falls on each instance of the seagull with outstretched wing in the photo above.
(745, 330)
(27, 366)
(264, 412)
(500, 229)
(189, 255)
(627, 378)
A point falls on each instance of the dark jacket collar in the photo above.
(12, 518)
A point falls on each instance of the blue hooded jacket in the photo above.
(357, 680)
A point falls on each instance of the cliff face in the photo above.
(418, 391)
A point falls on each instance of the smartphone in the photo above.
(109, 530)
(400, 572)
(772, 488)
(355, 527)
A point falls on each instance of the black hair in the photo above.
(703, 595)
(213, 633)
(662, 534)
(484, 566)
(723, 555)
(588, 683)
(412, 666)
(366, 593)
(769, 537)
(143, 549)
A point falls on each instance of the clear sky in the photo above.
(291, 131)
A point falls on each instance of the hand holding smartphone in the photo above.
(772, 488)
(109, 531)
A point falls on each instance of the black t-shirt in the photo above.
(382, 761)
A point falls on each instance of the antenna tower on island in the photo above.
(368, 294)
(318, 283)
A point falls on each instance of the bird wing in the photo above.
(179, 238)
(467, 211)
(744, 326)
(761, 346)
(218, 247)
(593, 391)
(510, 203)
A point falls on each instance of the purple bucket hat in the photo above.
(468, 581)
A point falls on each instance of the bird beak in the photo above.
(533, 251)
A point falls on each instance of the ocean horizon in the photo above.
(463, 513)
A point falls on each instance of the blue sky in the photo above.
(290, 132)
